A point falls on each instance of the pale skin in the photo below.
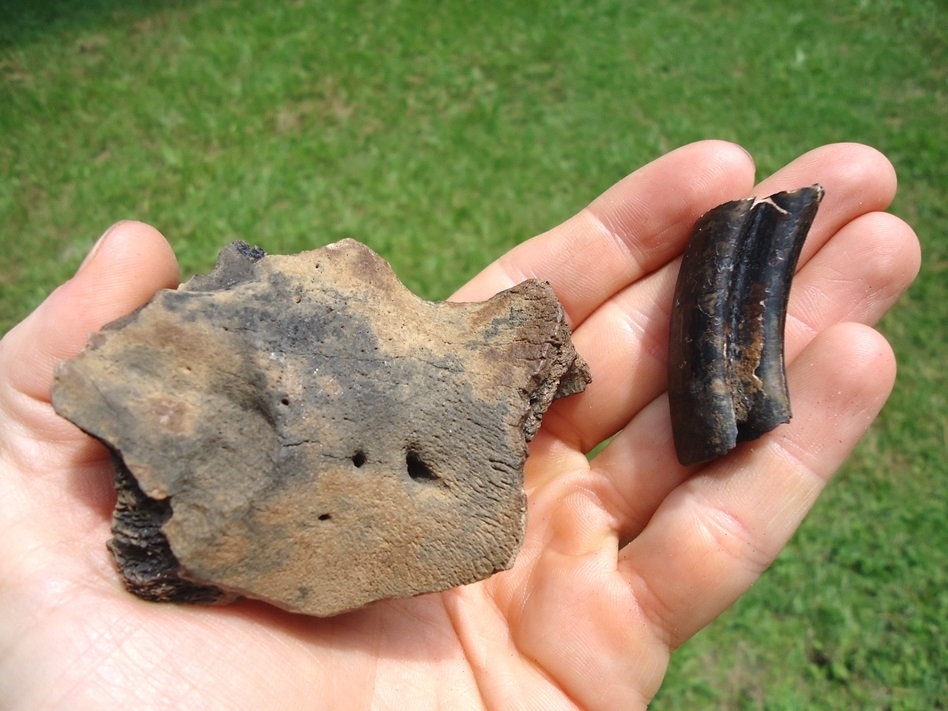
(626, 556)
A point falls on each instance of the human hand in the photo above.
(626, 556)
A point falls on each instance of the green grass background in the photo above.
(442, 134)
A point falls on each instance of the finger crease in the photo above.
(730, 535)
(659, 615)
(622, 242)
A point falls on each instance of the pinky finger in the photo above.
(716, 533)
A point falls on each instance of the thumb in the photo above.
(128, 264)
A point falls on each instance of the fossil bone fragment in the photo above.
(726, 376)
(304, 430)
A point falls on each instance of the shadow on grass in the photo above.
(21, 23)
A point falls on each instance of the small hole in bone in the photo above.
(325, 517)
(358, 459)
(417, 469)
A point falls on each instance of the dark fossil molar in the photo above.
(726, 377)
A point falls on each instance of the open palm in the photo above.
(626, 555)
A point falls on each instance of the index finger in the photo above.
(635, 227)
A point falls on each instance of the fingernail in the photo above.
(90, 257)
